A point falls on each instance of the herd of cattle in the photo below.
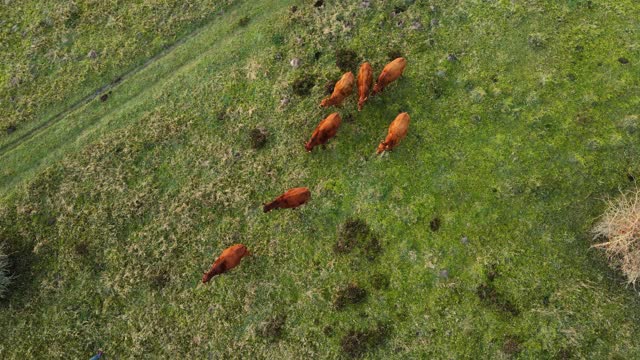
(325, 130)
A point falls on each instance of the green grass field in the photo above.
(525, 117)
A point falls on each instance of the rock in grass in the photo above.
(444, 274)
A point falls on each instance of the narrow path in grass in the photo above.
(105, 89)
(81, 122)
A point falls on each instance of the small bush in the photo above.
(5, 279)
(619, 228)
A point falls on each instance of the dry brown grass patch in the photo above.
(619, 231)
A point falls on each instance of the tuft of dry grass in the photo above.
(619, 227)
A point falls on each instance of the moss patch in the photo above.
(160, 279)
(490, 296)
(244, 21)
(273, 328)
(511, 345)
(355, 233)
(347, 60)
(435, 223)
(258, 138)
(351, 294)
(356, 343)
(380, 281)
(302, 85)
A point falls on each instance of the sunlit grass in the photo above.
(472, 237)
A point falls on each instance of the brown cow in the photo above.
(229, 259)
(391, 72)
(343, 88)
(397, 131)
(292, 198)
(365, 78)
(325, 130)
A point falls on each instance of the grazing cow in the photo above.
(325, 130)
(397, 131)
(391, 72)
(229, 259)
(365, 78)
(343, 88)
(291, 199)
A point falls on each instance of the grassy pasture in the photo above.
(524, 117)
(55, 53)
